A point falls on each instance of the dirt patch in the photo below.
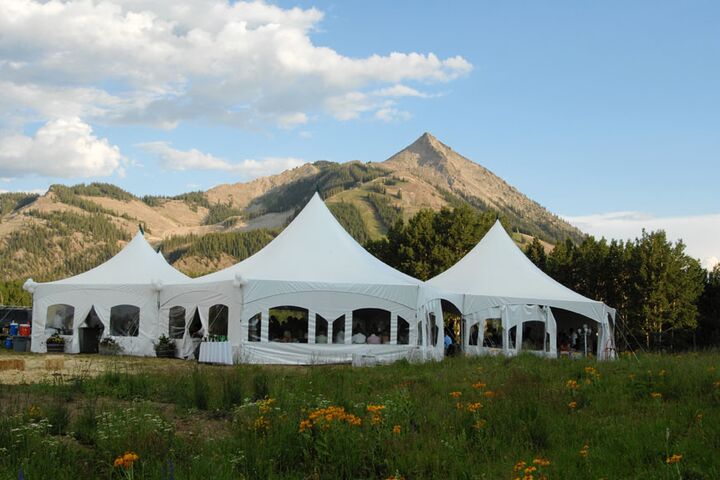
(46, 368)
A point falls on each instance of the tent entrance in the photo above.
(90, 333)
(454, 328)
(575, 333)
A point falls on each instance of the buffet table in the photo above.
(216, 352)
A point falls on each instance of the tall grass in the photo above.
(462, 418)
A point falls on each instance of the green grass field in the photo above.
(649, 418)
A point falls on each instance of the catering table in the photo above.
(216, 352)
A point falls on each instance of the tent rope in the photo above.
(625, 331)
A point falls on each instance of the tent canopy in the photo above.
(496, 272)
(136, 264)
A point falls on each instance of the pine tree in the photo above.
(536, 253)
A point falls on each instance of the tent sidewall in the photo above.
(102, 299)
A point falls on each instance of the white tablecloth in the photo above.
(216, 352)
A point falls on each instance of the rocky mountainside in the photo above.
(70, 229)
(430, 162)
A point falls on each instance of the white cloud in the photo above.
(350, 105)
(292, 120)
(389, 114)
(65, 147)
(400, 91)
(57, 101)
(173, 159)
(700, 233)
(160, 63)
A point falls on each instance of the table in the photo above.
(216, 352)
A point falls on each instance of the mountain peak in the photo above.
(427, 139)
(427, 136)
(425, 152)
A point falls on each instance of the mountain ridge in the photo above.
(75, 227)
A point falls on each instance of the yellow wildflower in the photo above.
(261, 424)
(478, 385)
(519, 466)
(543, 462)
(479, 424)
(376, 411)
(572, 384)
(324, 417)
(396, 430)
(34, 411)
(456, 394)
(126, 460)
(489, 394)
(130, 457)
(656, 395)
(572, 405)
(265, 405)
(474, 407)
(673, 459)
(585, 451)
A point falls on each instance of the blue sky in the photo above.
(588, 108)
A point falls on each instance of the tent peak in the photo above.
(497, 226)
(315, 247)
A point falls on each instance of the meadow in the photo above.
(641, 417)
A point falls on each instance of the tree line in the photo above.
(652, 282)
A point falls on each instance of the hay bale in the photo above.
(54, 364)
(12, 364)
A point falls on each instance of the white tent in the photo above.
(503, 292)
(123, 293)
(304, 298)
